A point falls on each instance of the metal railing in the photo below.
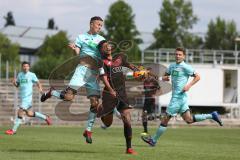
(165, 55)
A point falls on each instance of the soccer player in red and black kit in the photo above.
(151, 86)
(114, 93)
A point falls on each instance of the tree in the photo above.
(9, 51)
(189, 40)
(221, 34)
(55, 45)
(53, 52)
(120, 27)
(9, 19)
(46, 64)
(176, 18)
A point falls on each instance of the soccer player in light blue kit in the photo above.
(86, 72)
(25, 81)
(180, 73)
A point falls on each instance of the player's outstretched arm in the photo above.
(39, 85)
(74, 48)
(194, 81)
(166, 77)
(132, 67)
(14, 82)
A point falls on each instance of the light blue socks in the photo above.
(201, 117)
(40, 115)
(158, 133)
(56, 94)
(17, 123)
(90, 121)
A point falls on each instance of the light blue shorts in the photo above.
(85, 77)
(177, 106)
(26, 103)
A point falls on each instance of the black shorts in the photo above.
(149, 105)
(109, 103)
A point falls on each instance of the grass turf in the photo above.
(67, 143)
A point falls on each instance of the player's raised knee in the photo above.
(68, 94)
(20, 112)
(30, 113)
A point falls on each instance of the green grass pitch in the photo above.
(67, 143)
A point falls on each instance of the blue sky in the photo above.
(73, 15)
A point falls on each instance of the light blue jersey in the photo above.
(84, 76)
(88, 45)
(179, 76)
(26, 81)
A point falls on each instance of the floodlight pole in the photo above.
(237, 40)
(0, 65)
(142, 56)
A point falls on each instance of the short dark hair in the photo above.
(25, 62)
(96, 18)
(181, 49)
(100, 44)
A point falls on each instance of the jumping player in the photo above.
(25, 81)
(114, 93)
(180, 73)
(86, 72)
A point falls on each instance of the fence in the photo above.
(164, 55)
(9, 103)
(9, 99)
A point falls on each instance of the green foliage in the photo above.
(46, 64)
(55, 45)
(192, 41)
(221, 34)
(120, 26)
(176, 18)
(8, 50)
(53, 52)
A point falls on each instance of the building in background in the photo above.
(219, 87)
(30, 39)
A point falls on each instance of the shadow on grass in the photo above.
(48, 151)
